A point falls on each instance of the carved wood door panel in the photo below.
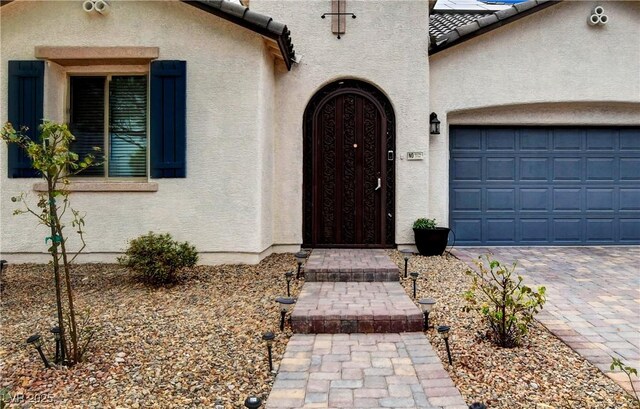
(350, 185)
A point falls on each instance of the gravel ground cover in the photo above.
(542, 373)
(188, 345)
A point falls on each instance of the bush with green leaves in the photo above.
(158, 258)
(425, 224)
(506, 303)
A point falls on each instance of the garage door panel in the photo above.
(629, 230)
(500, 139)
(534, 200)
(466, 140)
(567, 230)
(630, 169)
(545, 185)
(500, 231)
(534, 230)
(630, 199)
(602, 139)
(534, 139)
(501, 169)
(534, 169)
(468, 231)
(600, 230)
(630, 139)
(567, 200)
(601, 200)
(467, 200)
(567, 169)
(501, 200)
(567, 139)
(601, 169)
(466, 169)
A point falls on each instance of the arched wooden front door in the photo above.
(349, 156)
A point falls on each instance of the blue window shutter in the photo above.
(168, 119)
(25, 108)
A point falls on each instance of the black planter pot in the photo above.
(432, 242)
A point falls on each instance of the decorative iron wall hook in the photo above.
(339, 14)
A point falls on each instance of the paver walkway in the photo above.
(367, 353)
(364, 371)
(593, 298)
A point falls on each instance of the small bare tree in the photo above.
(52, 158)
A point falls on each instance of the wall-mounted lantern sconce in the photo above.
(435, 124)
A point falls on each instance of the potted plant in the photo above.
(431, 240)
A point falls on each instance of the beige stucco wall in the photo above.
(224, 204)
(266, 129)
(386, 45)
(550, 68)
(242, 197)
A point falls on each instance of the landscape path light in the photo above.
(56, 335)
(443, 331)
(252, 402)
(301, 256)
(286, 303)
(426, 305)
(288, 276)
(3, 264)
(36, 341)
(477, 405)
(407, 255)
(414, 278)
(268, 338)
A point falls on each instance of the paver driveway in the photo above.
(593, 297)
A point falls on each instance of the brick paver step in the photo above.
(350, 265)
(362, 371)
(337, 307)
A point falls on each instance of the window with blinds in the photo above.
(110, 112)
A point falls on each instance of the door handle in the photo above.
(379, 184)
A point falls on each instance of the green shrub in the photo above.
(157, 257)
(425, 224)
(507, 305)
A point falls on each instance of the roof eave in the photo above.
(468, 34)
(282, 36)
(276, 31)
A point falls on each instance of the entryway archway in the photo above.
(349, 167)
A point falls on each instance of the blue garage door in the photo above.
(544, 185)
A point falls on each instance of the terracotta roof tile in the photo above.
(448, 28)
(443, 23)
